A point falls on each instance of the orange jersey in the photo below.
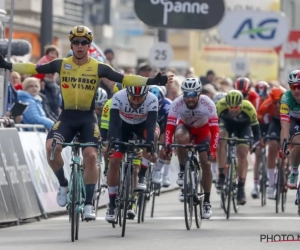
(266, 111)
(254, 99)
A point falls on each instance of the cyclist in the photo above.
(133, 110)
(79, 77)
(243, 84)
(236, 116)
(101, 99)
(214, 165)
(290, 124)
(163, 111)
(268, 113)
(197, 118)
(262, 89)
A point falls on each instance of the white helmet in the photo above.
(164, 90)
(137, 90)
(101, 97)
(191, 85)
(218, 96)
(294, 77)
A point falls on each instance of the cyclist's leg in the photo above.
(61, 131)
(242, 150)
(295, 153)
(273, 145)
(203, 136)
(221, 153)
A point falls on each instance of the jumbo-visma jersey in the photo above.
(79, 84)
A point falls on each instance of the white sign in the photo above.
(254, 29)
(161, 54)
(240, 66)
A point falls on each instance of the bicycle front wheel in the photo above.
(73, 202)
(230, 189)
(188, 196)
(126, 198)
(278, 185)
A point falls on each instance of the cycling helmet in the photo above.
(242, 84)
(234, 98)
(191, 85)
(101, 97)
(261, 88)
(218, 96)
(81, 31)
(294, 77)
(276, 93)
(164, 90)
(158, 92)
(137, 90)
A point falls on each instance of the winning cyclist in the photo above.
(290, 124)
(163, 111)
(79, 77)
(197, 118)
(268, 113)
(133, 110)
(236, 116)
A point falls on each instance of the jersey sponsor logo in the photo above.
(134, 111)
(153, 101)
(118, 100)
(207, 104)
(284, 109)
(65, 85)
(89, 69)
(56, 125)
(131, 116)
(105, 111)
(69, 79)
(178, 104)
(83, 86)
(68, 66)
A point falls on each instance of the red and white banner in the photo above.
(292, 47)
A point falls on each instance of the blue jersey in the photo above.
(163, 114)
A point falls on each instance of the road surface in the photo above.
(167, 231)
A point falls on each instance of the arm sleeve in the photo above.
(171, 125)
(108, 72)
(115, 124)
(30, 68)
(213, 122)
(150, 127)
(256, 132)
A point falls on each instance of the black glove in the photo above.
(4, 64)
(159, 80)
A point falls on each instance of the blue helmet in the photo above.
(158, 92)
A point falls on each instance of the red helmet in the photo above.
(242, 84)
(261, 88)
(276, 93)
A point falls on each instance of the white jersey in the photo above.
(127, 113)
(205, 112)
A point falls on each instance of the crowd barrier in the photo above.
(28, 186)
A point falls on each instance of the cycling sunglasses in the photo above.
(234, 108)
(136, 98)
(190, 94)
(82, 42)
(295, 86)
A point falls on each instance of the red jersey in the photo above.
(254, 99)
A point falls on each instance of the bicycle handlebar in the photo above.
(134, 144)
(234, 140)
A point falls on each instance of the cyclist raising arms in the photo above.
(236, 116)
(163, 111)
(79, 77)
(198, 118)
(268, 113)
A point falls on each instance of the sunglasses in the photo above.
(99, 104)
(295, 86)
(82, 42)
(234, 108)
(190, 94)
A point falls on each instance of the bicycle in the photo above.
(193, 198)
(125, 193)
(229, 190)
(76, 188)
(263, 179)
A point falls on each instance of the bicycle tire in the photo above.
(234, 196)
(263, 184)
(140, 207)
(278, 186)
(283, 191)
(144, 200)
(146, 195)
(229, 190)
(126, 200)
(98, 193)
(79, 189)
(154, 192)
(73, 202)
(120, 196)
(188, 198)
(198, 207)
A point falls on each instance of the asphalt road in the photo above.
(244, 230)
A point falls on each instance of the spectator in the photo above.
(174, 90)
(51, 53)
(209, 90)
(15, 80)
(46, 106)
(34, 114)
(110, 56)
(130, 70)
(209, 78)
(145, 69)
(190, 72)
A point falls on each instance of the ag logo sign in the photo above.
(254, 29)
(180, 14)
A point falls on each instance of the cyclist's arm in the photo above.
(150, 127)
(31, 69)
(171, 124)
(213, 122)
(108, 72)
(249, 109)
(284, 121)
(115, 125)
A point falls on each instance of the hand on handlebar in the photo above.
(282, 154)
(212, 157)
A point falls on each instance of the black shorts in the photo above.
(264, 128)
(162, 127)
(128, 129)
(274, 129)
(65, 129)
(294, 127)
(242, 132)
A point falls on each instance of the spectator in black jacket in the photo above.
(49, 113)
